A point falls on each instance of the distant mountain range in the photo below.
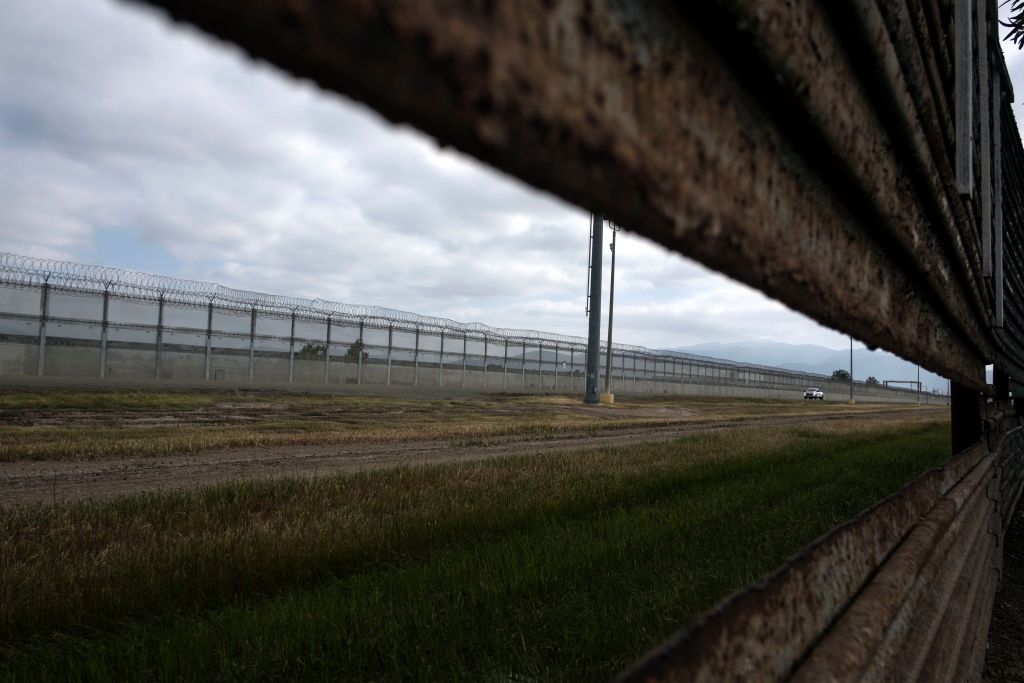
(818, 359)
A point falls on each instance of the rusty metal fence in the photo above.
(65, 319)
(902, 593)
(855, 160)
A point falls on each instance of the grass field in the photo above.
(556, 567)
(82, 425)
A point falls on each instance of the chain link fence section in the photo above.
(64, 319)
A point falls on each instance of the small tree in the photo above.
(841, 375)
(1015, 23)
(355, 351)
(872, 380)
(312, 351)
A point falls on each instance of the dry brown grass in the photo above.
(110, 425)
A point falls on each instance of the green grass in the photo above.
(553, 567)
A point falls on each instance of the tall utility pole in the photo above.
(919, 385)
(851, 370)
(594, 309)
(611, 310)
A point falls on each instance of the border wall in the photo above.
(902, 593)
(858, 161)
(61, 319)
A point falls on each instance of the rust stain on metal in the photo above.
(757, 634)
(876, 617)
(927, 570)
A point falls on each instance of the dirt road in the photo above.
(23, 482)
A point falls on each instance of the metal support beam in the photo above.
(524, 365)
(291, 351)
(963, 18)
(572, 369)
(540, 368)
(1000, 384)
(504, 368)
(391, 333)
(463, 360)
(104, 329)
(359, 356)
(416, 360)
(208, 345)
(611, 315)
(592, 395)
(485, 361)
(44, 314)
(327, 353)
(985, 138)
(252, 345)
(159, 337)
(440, 363)
(965, 414)
(851, 370)
(997, 192)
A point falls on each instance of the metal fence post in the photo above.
(556, 368)
(327, 353)
(359, 356)
(463, 360)
(391, 332)
(252, 345)
(485, 361)
(504, 368)
(540, 367)
(416, 360)
(103, 332)
(209, 341)
(44, 313)
(524, 365)
(965, 416)
(572, 368)
(440, 363)
(291, 351)
(159, 335)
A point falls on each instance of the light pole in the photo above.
(611, 309)
(851, 370)
(594, 309)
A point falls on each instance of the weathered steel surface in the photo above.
(759, 633)
(919, 613)
(762, 160)
(903, 603)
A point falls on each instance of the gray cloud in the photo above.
(118, 130)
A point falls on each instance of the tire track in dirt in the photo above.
(25, 482)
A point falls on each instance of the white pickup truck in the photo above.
(814, 393)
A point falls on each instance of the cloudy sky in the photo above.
(126, 141)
